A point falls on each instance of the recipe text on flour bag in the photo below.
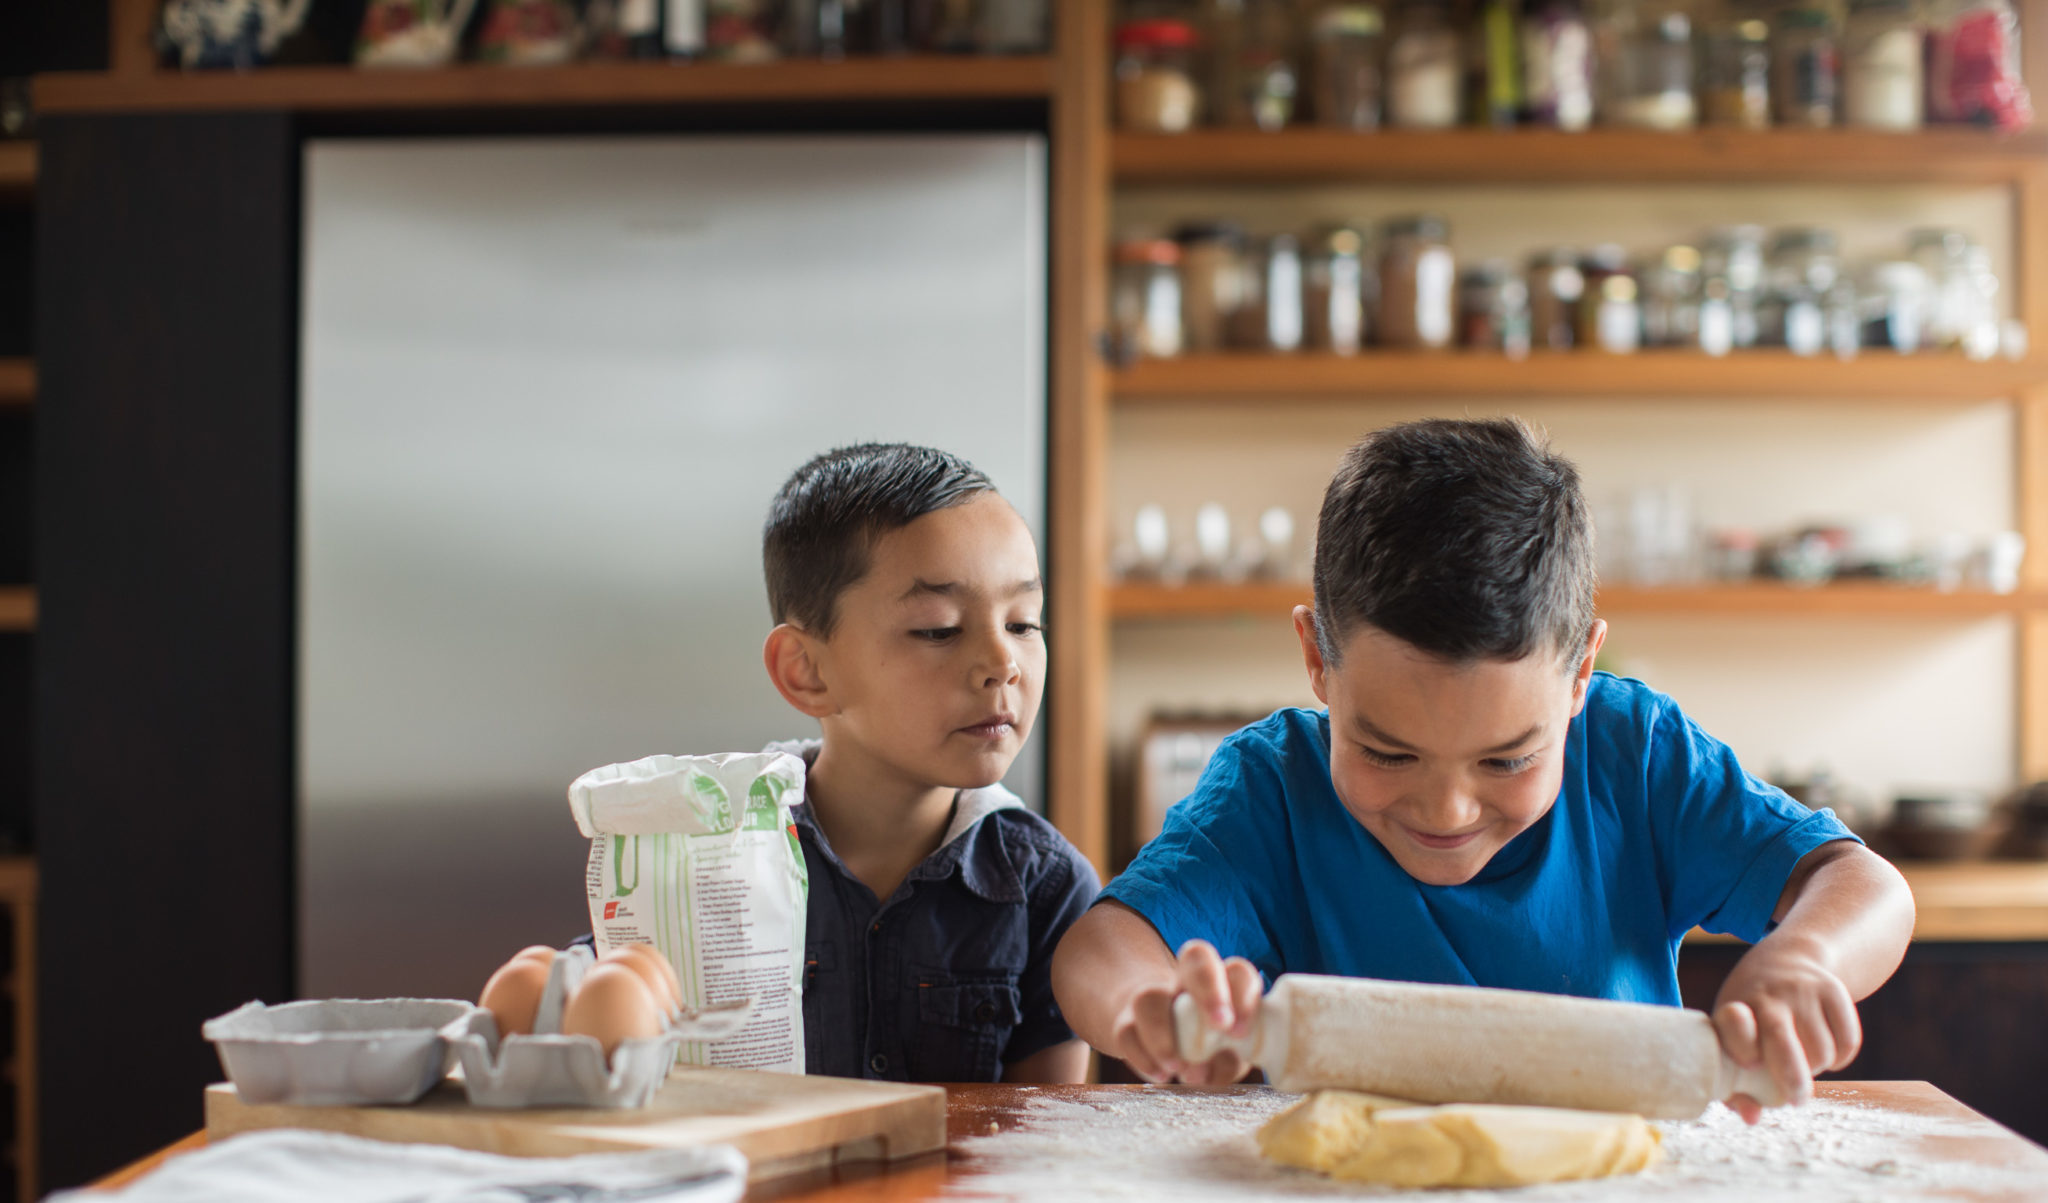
(698, 856)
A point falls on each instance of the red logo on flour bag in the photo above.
(611, 910)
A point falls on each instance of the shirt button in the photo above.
(879, 1063)
(985, 1013)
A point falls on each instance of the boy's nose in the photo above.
(1449, 809)
(997, 664)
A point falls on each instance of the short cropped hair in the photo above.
(825, 521)
(1468, 539)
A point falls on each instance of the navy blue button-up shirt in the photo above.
(949, 978)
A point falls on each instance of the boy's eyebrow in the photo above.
(1368, 730)
(921, 587)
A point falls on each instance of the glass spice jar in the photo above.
(1882, 57)
(1212, 286)
(1807, 68)
(1617, 313)
(1493, 309)
(1261, 83)
(1804, 270)
(1418, 284)
(1424, 68)
(1738, 75)
(1268, 316)
(1894, 305)
(1555, 288)
(1596, 267)
(1338, 290)
(1557, 66)
(1670, 295)
(1654, 78)
(1155, 77)
(1734, 256)
(1145, 301)
(1346, 45)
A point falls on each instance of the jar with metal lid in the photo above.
(1944, 256)
(1269, 317)
(1557, 65)
(1418, 283)
(1212, 285)
(1260, 82)
(1346, 48)
(1738, 75)
(1596, 267)
(1733, 256)
(1806, 67)
(1894, 306)
(1424, 68)
(1670, 289)
(1493, 309)
(1653, 80)
(1338, 289)
(1555, 288)
(1155, 76)
(1804, 269)
(1882, 66)
(1145, 302)
(1614, 310)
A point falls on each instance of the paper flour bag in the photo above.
(697, 856)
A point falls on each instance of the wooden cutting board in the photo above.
(784, 1123)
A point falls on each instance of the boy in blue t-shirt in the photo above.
(1478, 806)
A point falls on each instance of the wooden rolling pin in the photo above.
(1467, 1044)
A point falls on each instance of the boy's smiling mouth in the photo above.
(1441, 842)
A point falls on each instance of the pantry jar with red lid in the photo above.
(1156, 92)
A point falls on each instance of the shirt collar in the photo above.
(991, 877)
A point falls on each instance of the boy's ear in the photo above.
(1583, 676)
(793, 669)
(1311, 651)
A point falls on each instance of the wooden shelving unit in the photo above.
(18, 888)
(1603, 156)
(17, 168)
(17, 608)
(1967, 901)
(1648, 376)
(470, 86)
(17, 382)
(1134, 602)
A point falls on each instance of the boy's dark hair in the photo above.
(829, 513)
(1468, 539)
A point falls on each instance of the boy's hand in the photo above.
(1227, 995)
(1783, 1008)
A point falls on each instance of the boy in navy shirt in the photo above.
(1477, 805)
(907, 596)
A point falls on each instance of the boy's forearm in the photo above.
(1105, 959)
(1853, 910)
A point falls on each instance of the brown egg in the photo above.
(611, 1005)
(653, 968)
(536, 952)
(512, 996)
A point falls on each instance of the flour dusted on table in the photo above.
(1199, 1147)
(696, 856)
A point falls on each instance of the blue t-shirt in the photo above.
(1656, 829)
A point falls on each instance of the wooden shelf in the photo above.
(17, 168)
(17, 608)
(17, 382)
(470, 86)
(1961, 901)
(1276, 599)
(1312, 156)
(1649, 376)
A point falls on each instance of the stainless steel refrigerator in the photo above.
(548, 387)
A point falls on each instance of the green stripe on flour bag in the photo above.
(726, 897)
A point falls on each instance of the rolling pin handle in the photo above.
(1196, 1041)
(1756, 1083)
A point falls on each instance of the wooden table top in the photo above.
(1969, 1142)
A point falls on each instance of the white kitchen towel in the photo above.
(290, 1166)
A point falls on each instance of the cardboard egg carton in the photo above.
(341, 1051)
(552, 1069)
